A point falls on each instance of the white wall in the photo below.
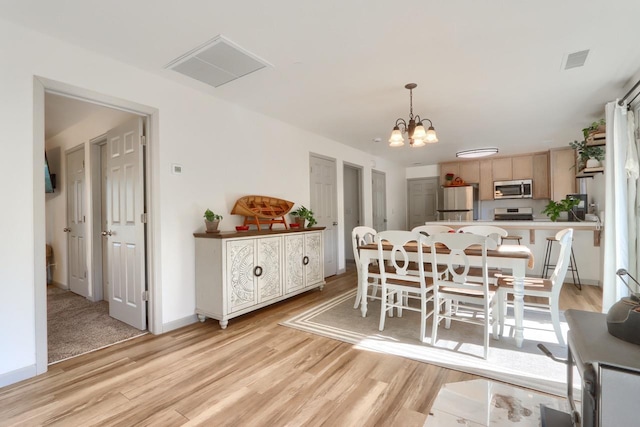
(201, 133)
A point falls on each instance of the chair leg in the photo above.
(436, 320)
(574, 268)
(495, 319)
(486, 331)
(358, 298)
(423, 317)
(555, 319)
(383, 307)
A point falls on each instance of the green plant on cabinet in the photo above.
(306, 214)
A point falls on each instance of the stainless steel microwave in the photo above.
(518, 189)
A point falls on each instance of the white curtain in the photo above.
(616, 227)
(633, 171)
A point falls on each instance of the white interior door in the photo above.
(76, 224)
(422, 200)
(324, 206)
(352, 202)
(379, 200)
(125, 228)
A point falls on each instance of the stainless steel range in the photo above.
(513, 214)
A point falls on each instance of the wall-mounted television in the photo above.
(49, 178)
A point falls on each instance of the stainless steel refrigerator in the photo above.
(459, 203)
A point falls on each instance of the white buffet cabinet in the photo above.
(240, 272)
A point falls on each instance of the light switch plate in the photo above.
(176, 169)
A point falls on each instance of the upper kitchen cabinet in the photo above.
(540, 176)
(501, 169)
(485, 189)
(522, 167)
(469, 171)
(563, 172)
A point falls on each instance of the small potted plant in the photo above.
(211, 221)
(303, 215)
(554, 209)
(589, 156)
(595, 127)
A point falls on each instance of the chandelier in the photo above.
(418, 136)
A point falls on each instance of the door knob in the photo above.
(107, 233)
(66, 230)
(335, 222)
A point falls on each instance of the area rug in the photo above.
(459, 348)
(76, 325)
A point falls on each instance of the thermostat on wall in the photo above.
(176, 169)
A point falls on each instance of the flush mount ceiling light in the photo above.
(478, 152)
(418, 137)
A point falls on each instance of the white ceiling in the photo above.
(488, 72)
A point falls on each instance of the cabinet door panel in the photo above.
(313, 250)
(522, 167)
(541, 176)
(470, 171)
(501, 169)
(486, 181)
(269, 257)
(294, 271)
(563, 173)
(240, 278)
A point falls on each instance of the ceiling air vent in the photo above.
(576, 59)
(217, 62)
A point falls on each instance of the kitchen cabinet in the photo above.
(540, 176)
(485, 188)
(501, 169)
(469, 171)
(236, 273)
(303, 263)
(522, 167)
(563, 172)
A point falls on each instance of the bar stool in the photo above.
(573, 266)
(512, 237)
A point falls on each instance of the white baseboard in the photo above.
(179, 323)
(13, 377)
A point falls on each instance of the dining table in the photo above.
(518, 258)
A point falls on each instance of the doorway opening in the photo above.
(352, 206)
(96, 225)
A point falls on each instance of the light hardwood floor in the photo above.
(254, 373)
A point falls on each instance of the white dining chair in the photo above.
(469, 293)
(496, 233)
(398, 285)
(428, 230)
(361, 236)
(543, 288)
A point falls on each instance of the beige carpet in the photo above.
(458, 348)
(76, 325)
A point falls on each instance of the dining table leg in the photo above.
(518, 299)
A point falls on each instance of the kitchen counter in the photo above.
(532, 226)
(586, 242)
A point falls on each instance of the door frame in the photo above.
(95, 158)
(152, 179)
(360, 172)
(373, 206)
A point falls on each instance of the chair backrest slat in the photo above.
(361, 236)
(429, 230)
(398, 256)
(496, 233)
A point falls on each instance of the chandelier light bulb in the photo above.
(396, 139)
(419, 132)
(418, 142)
(431, 135)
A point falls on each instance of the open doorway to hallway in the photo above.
(95, 226)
